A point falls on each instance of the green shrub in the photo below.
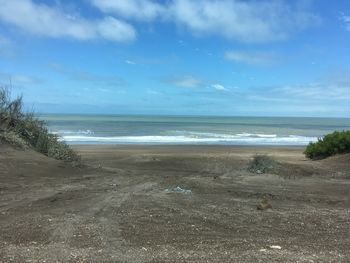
(331, 144)
(24, 129)
(262, 163)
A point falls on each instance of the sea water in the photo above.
(123, 129)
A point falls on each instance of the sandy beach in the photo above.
(121, 206)
(171, 131)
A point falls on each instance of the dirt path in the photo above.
(117, 209)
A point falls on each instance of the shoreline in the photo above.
(109, 153)
(194, 145)
(238, 150)
(187, 147)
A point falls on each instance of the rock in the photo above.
(263, 205)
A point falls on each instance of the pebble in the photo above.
(275, 247)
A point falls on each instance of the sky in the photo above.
(178, 57)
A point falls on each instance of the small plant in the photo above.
(331, 144)
(261, 163)
(23, 129)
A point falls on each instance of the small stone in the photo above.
(275, 247)
(263, 205)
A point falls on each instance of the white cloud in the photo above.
(113, 29)
(18, 79)
(130, 62)
(219, 87)
(346, 20)
(255, 58)
(4, 41)
(318, 91)
(334, 88)
(88, 77)
(6, 46)
(249, 21)
(138, 9)
(187, 81)
(22, 79)
(153, 92)
(49, 21)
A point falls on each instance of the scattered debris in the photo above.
(178, 189)
(270, 247)
(275, 247)
(264, 204)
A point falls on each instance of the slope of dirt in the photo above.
(120, 207)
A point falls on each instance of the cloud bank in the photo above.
(248, 21)
(253, 58)
(131, 9)
(346, 20)
(50, 21)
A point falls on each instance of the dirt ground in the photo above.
(120, 206)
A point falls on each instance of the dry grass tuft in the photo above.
(23, 129)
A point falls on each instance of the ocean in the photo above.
(124, 129)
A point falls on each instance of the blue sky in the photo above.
(183, 57)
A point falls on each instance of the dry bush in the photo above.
(23, 129)
(262, 163)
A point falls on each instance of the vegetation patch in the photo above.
(331, 144)
(23, 129)
(262, 163)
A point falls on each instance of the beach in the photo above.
(170, 131)
(173, 203)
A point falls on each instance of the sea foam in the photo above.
(193, 138)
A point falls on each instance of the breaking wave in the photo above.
(84, 137)
(73, 133)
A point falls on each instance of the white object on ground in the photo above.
(275, 247)
(178, 189)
